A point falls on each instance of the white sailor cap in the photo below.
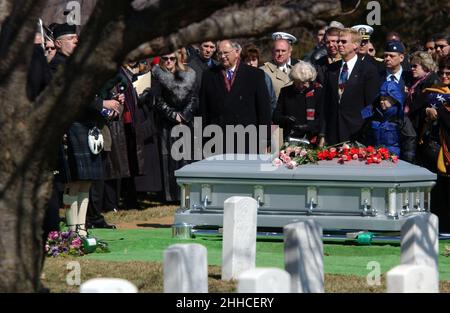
(364, 30)
(281, 35)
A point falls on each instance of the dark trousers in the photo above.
(440, 203)
(102, 197)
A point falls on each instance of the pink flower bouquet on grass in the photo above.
(64, 243)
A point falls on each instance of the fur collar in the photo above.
(179, 84)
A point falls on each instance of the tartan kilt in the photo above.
(79, 163)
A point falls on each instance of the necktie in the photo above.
(392, 78)
(343, 77)
(229, 75)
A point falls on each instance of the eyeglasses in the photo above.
(371, 50)
(342, 41)
(224, 53)
(444, 73)
(441, 46)
(165, 59)
(414, 65)
(50, 48)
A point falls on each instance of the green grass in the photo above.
(339, 257)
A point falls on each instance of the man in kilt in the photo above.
(78, 165)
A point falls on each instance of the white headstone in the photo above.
(412, 278)
(108, 285)
(303, 256)
(420, 241)
(239, 236)
(264, 280)
(186, 269)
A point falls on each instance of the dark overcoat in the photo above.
(343, 118)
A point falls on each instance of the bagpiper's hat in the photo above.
(64, 29)
(281, 35)
(364, 30)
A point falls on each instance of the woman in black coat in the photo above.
(175, 103)
(299, 107)
(423, 72)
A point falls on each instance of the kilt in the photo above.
(78, 162)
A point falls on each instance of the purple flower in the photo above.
(66, 234)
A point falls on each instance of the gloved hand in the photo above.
(166, 111)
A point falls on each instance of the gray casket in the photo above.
(338, 196)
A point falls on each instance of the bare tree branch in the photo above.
(17, 36)
(242, 23)
(5, 9)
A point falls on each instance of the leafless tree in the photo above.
(30, 132)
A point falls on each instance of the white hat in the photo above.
(281, 35)
(336, 24)
(364, 30)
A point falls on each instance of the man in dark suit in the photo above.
(235, 94)
(394, 70)
(203, 61)
(363, 50)
(331, 38)
(351, 84)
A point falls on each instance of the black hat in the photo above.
(64, 29)
(394, 46)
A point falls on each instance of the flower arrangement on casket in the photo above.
(63, 243)
(292, 155)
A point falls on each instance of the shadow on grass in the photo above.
(355, 243)
(154, 225)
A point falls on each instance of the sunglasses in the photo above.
(371, 50)
(342, 41)
(444, 73)
(50, 48)
(441, 46)
(165, 59)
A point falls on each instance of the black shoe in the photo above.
(103, 225)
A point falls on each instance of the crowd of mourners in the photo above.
(119, 149)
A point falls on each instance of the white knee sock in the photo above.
(83, 201)
(71, 206)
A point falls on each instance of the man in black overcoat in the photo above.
(235, 94)
(351, 84)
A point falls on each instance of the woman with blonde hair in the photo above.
(423, 74)
(176, 102)
(299, 109)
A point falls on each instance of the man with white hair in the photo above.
(234, 94)
(279, 67)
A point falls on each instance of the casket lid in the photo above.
(260, 167)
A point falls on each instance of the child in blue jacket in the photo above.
(387, 125)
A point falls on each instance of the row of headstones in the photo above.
(186, 266)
